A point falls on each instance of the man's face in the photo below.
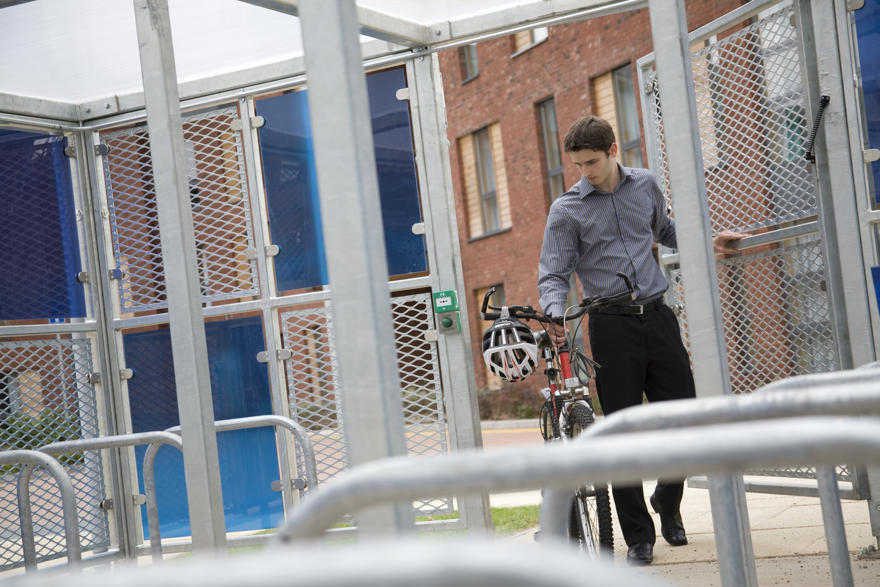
(596, 166)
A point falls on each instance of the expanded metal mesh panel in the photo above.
(46, 398)
(312, 390)
(220, 207)
(753, 129)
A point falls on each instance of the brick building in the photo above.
(509, 102)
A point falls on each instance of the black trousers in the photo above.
(640, 354)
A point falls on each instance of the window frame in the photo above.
(469, 62)
(555, 175)
(634, 144)
(485, 166)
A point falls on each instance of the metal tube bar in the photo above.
(699, 277)
(853, 392)
(354, 243)
(88, 325)
(398, 563)
(31, 459)
(835, 533)
(623, 458)
(300, 433)
(190, 353)
(154, 440)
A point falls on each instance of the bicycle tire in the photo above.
(590, 523)
(550, 425)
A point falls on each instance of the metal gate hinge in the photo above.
(852, 5)
(93, 378)
(101, 149)
(649, 88)
(418, 228)
(432, 335)
(116, 273)
(269, 251)
(258, 121)
(235, 124)
(138, 499)
(871, 155)
(106, 504)
(294, 484)
(126, 373)
(280, 354)
(402, 94)
(70, 151)
(82, 277)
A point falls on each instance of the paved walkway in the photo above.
(787, 534)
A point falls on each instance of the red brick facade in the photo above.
(506, 91)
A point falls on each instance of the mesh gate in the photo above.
(220, 208)
(753, 128)
(315, 405)
(47, 398)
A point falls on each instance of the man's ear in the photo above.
(612, 152)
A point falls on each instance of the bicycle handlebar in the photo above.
(586, 305)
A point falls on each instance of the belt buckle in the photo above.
(641, 309)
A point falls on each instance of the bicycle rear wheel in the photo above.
(590, 518)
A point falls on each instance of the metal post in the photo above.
(444, 258)
(352, 223)
(190, 351)
(835, 530)
(700, 280)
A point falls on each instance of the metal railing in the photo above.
(390, 563)
(31, 459)
(153, 439)
(842, 393)
(625, 458)
(299, 434)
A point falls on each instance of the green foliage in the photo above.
(22, 431)
(515, 519)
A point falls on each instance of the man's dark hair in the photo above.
(589, 132)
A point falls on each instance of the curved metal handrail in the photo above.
(31, 459)
(621, 458)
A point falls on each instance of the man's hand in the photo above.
(721, 242)
(556, 332)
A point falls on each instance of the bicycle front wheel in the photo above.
(590, 519)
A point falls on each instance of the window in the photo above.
(525, 40)
(552, 156)
(470, 67)
(615, 101)
(485, 181)
(498, 299)
(9, 402)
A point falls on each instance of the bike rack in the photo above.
(31, 459)
(390, 562)
(622, 458)
(843, 393)
(154, 439)
(298, 432)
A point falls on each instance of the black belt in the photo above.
(631, 309)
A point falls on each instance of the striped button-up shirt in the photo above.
(598, 234)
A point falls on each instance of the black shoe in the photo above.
(640, 554)
(671, 529)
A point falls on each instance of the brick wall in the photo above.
(506, 91)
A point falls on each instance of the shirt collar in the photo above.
(586, 188)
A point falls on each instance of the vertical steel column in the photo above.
(114, 413)
(699, 277)
(181, 276)
(444, 259)
(354, 242)
(266, 275)
(838, 209)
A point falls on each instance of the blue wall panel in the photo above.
(240, 387)
(38, 232)
(868, 30)
(291, 184)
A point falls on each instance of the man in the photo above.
(607, 224)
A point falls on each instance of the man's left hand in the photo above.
(724, 238)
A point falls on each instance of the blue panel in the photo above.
(875, 275)
(868, 31)
(240, 387)
(291, 184)
(38, 222)
(292, 191)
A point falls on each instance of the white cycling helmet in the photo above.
(509, 349)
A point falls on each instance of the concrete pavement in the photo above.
(787, 533)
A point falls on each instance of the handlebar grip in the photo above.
(485, 305)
